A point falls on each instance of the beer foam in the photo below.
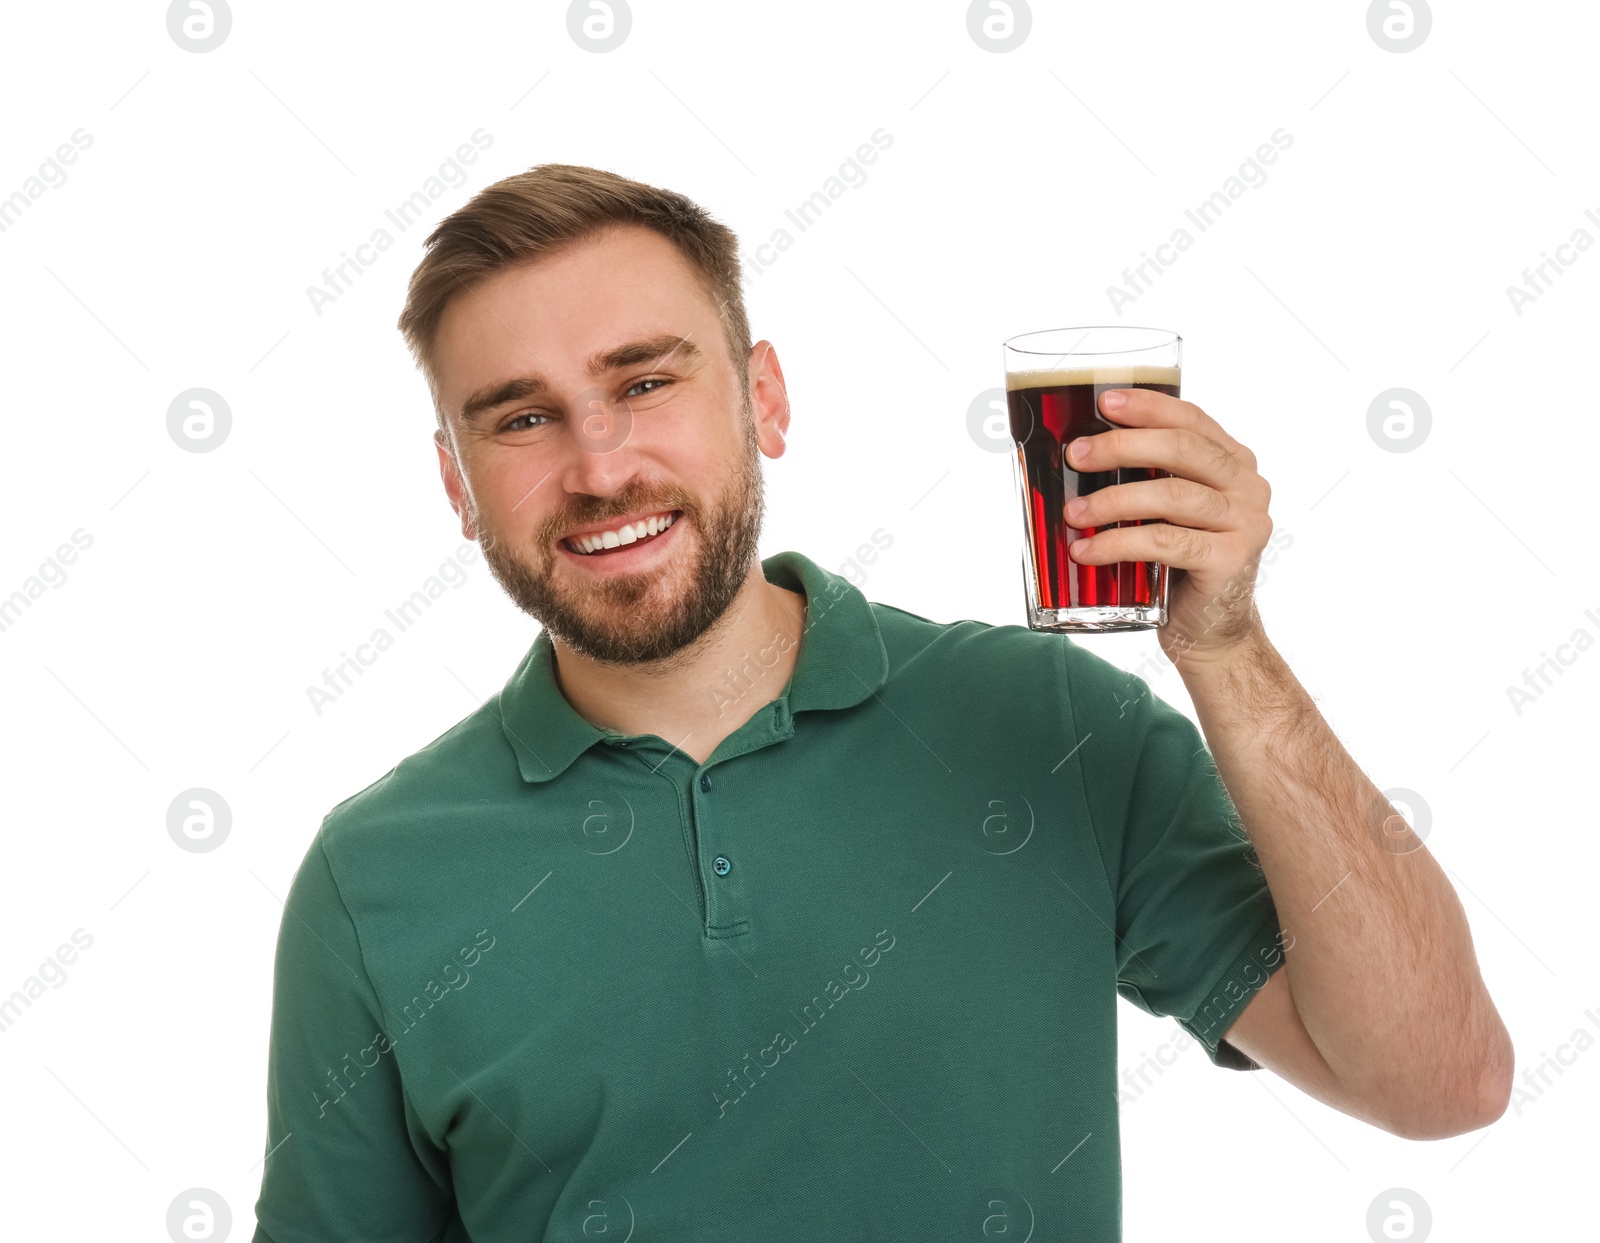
(1114, 376)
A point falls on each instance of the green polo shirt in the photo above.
(854, 977)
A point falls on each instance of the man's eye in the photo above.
(512, 425)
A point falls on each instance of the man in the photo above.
(750, 909)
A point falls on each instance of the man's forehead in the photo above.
(566, 314)
(619, 269)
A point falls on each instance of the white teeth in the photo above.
(627, 534)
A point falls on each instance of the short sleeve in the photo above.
(1197, 930)
(347, 1157)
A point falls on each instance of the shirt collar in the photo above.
(842, 660)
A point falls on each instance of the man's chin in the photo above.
(622, 618)
(639, 597)
(653, 586)
(623, 634)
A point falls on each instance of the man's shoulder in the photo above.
(418, 794)
(988, 649)
(966, 645)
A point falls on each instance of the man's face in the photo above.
(553, 438)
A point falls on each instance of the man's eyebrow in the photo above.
(651, 349)
(648, 349)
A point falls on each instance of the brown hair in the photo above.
(533, 214)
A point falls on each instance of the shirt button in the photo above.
(705, 781)
(721, 866)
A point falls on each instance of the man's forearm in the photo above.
(1381, 965)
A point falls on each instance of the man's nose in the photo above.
(599, 457)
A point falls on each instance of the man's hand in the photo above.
(1214, 509)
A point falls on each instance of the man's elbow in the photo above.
(1448, 1115)
(1496, 1084)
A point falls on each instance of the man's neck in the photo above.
(690, 699)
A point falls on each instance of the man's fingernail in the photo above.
(1113, 400)
(1079, 449)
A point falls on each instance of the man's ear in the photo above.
(454, 488)
(769, 399)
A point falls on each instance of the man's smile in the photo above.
(626, 544)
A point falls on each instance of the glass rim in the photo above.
(1168, 339)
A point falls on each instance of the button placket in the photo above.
(724, 893)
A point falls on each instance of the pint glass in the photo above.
(1054, 379)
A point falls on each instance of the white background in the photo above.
(177, 652)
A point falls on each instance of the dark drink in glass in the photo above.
(1052, 398)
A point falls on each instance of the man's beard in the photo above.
(632, 619)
